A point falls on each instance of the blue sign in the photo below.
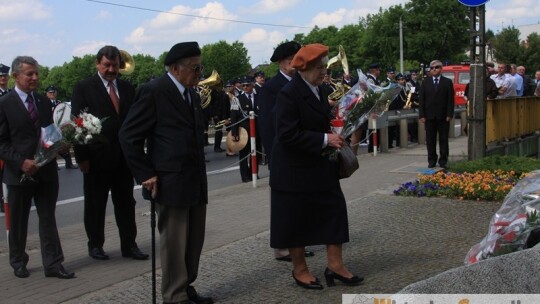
(473, 3)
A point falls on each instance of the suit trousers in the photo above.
(439, 127)
(181, 238)
(96, 194)
(245, 160)
(45, 194)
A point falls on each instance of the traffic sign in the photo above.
(473, 3)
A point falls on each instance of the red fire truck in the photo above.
(460, 76)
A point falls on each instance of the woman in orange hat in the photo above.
(307, 204)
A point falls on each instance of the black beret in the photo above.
(248, 79)
(182, 50)
(258, 73)
(4, 69)
(374, 65)
(51, 88)
(285, 50)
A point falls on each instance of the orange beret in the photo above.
(308, 53)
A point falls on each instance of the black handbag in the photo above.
(348, 163)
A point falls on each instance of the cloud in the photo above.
(261, 43)
(28, 9)
(179, 24)
(269, 6)
(88, 47)
(104, 15)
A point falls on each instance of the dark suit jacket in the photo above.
(267, 110)
(301, 122)
(436, 103)
(246, 107)
(19, 137)
(175, 139)
(90, 95)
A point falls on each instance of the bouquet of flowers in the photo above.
(82, 130)
(512, 226)
(362, 101)
(50, 143)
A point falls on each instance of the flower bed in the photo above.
(480, 185)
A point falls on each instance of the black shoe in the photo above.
(60, 273)
(308, 253)
(219, 150)
(311, 285)
(285, 258)
(72, 167)
(431, 166)
(136, 254)
(196, 298)
(21, 272)
(329, 275)
(97, 253)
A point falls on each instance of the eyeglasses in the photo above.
(435, 67)
(196, 68)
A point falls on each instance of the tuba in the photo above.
(341, 88)
(127, 64)
(206, 86)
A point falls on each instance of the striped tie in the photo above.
(32, 110)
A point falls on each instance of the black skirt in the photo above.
(305, 219)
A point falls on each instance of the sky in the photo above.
(55, 31)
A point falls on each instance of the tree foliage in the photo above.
(506, 45)
(229, 60)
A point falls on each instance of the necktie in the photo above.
(32, 110)
(186, 96)
(436, 82)
(250, 96)
(114, 96)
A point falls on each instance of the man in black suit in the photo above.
(259, 81)
(22, 115)
(104, 95)
(167, 115)
(247, 102)
(436, 110)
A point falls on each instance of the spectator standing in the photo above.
(103, 165)
(167, 115)
(23, 112)
(436, 110)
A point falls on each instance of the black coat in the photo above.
(19, 137)
(245, 107)
(90, 95)
(267, 111)
(436, 103)
(298, 164)
(175, 142)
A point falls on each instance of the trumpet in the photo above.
(127, 64)
(206, 86)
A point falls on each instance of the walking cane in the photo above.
(147, 195)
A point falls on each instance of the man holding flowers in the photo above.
(102, 162)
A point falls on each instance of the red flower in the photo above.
(79, 122)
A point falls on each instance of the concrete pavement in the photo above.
(395, 241)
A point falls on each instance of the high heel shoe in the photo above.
(329, 275)
(311, 285)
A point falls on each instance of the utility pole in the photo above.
(400, 45)
(476, 110)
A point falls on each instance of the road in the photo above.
(222, 171)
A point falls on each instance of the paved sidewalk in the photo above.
(395, 241)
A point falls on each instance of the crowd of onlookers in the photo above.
(512, 81)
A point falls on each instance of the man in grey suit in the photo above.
(436, 110)
(22, 115)
(167, 115)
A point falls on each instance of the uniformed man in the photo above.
(259, 81)
(4, 78)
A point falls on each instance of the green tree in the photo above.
(506, 45)
(530, 53)
(229, 60)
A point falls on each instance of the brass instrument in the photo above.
(205, 88)
(127, 64)
(227, 121)
(341, 89)
(339, 59)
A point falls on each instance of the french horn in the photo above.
(207, 85)
(127, 64)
